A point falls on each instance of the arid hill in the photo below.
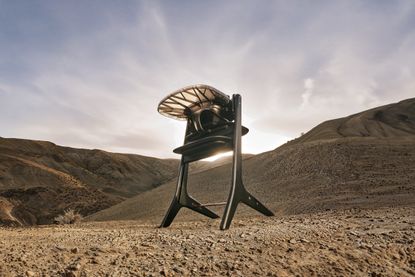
(391, 121)
(39, 179)
(366, 160)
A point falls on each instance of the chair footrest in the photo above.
(213, 204)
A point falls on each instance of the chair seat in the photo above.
(224, 130)
(204, 148)
(216, 142)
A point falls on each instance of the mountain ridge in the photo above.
(392, 120)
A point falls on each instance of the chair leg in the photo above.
(183, 199)
(189, 203)
(229, 213)
(197, 207)
(252, 202)
(238, 192)
(171, 213)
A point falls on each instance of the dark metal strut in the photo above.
(238, 192)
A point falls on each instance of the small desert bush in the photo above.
(68, 217)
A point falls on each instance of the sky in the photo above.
(90, 74)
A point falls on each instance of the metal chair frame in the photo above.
(238, 192)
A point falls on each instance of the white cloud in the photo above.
(95, 81)
(308, 91)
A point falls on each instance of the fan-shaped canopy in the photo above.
(191, 98)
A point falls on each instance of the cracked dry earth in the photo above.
(353, 242)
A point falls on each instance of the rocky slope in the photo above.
(391, 121)
(39, 179)
(334, 166)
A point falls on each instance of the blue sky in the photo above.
(91, 73)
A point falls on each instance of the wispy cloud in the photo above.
(308, 91)
(91, 74)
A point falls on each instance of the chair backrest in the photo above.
(184, 102)
(210, 116)
(205, 122)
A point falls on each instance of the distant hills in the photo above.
(39, 179)
(366, 160)
(390, 121)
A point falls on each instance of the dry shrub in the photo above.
(68, 217)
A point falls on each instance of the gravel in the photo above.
(328, 243)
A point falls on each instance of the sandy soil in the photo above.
(352, 242)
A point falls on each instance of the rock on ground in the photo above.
(343, 243)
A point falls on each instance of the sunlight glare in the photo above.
(218, 156)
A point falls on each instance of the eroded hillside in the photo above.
(395, 120)
(334, 166)
(39, 179)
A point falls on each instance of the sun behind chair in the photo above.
(213, 126)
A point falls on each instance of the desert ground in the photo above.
(332, 243)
